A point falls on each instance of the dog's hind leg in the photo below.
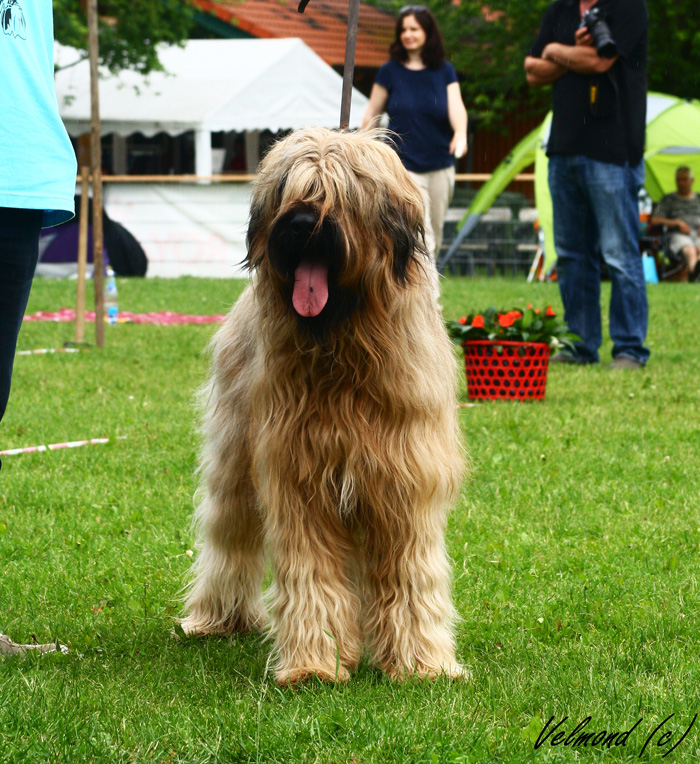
(315, 605)
(409, 614)
(225, 594)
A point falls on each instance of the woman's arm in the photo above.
(457, 114)
(375, 108)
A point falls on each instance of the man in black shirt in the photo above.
(596, 169)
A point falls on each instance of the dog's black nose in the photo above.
(303, 222)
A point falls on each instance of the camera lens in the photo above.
(600, 32)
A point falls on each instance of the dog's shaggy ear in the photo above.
(408, 244)
(256, 215)
(259, 208)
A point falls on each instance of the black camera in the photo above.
(600, 32)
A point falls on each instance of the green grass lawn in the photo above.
(575, 547)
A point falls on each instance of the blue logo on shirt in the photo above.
(12, 19)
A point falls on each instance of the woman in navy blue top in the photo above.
(419, 91)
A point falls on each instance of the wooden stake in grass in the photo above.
(96, 171)
(82, 255)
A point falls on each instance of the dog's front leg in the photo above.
(409, 613)
(225, 593)
(314, 603)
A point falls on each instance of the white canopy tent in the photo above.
(207, 86)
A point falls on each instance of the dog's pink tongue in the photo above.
(310, 289)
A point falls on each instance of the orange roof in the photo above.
(322, 26)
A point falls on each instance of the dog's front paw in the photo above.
(196, 627)
(295, 676)
(399, 672)
(202, 626)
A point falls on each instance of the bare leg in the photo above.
(692, 258)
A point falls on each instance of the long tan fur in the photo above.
(336, 456)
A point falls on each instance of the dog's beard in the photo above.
(310, 257)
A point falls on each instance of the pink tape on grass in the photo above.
(164, 318)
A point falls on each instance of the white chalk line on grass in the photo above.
(57, 446)
(44, 351)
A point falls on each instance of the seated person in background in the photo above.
(680, 212)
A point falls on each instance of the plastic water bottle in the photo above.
(645, 204)
(111, 305)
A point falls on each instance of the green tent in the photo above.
(672, 139)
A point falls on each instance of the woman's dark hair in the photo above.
(433, 53)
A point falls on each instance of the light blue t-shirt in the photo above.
(37, 162)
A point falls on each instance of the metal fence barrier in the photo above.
(504, 242)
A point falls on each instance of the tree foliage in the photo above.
(674, 47)
(487, 41)
(488, 47)
(129, 30)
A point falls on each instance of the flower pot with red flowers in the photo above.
(506, 352)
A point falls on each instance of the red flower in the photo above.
(462, 320)
(506, 319)
(549, 311)
(478, 322)
(516, 314)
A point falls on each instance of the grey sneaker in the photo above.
(625, 362)
(563, 357)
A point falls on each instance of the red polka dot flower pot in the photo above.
(506, 353)
(506, 370)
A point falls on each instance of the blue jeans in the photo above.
(19, 251)
(596, 213)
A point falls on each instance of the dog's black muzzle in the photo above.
(298, 235)
(301, 241)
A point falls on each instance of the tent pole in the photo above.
(349, 65)
(467, 227)
(202, 153)
(96, 169)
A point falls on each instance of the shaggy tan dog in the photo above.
(331, 430)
